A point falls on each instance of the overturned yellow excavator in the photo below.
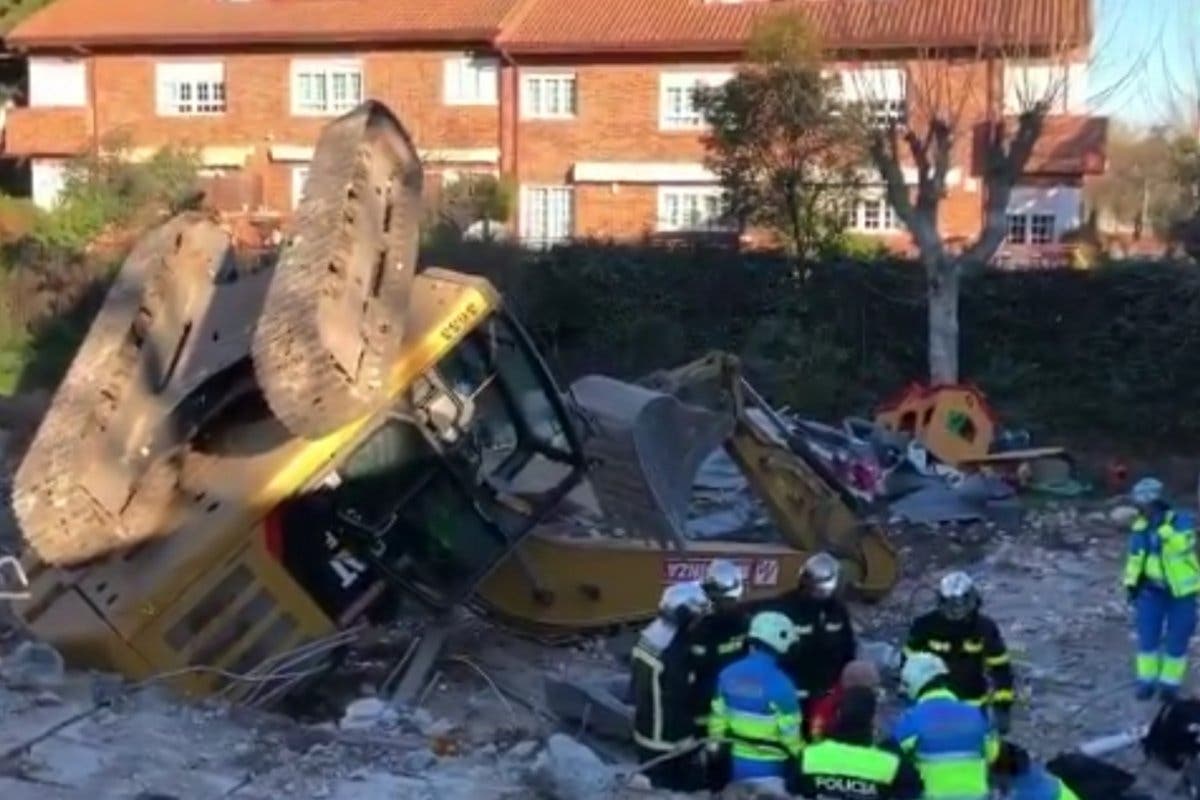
(251, 453)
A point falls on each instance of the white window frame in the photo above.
(537, 233)
(299, 176)
(677, 98)
(1042, 235)
(882, 91)
(58, 82)
(471, 80)
(1027, 81)
(673, 202)
(327, 72)
(1017, 224)
(888, 222)
(537, 87)
(48, 178)
(179, 85)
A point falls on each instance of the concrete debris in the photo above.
(567, 770)
(522, 751)
(33, 665)
(368, 713)
(1122, 516)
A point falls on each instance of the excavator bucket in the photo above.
(160, 358)
(644, 449)
(334, 318)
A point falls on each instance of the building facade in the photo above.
(588, 108)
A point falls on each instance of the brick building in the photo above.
(586, 105)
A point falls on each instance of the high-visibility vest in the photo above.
(1165, 556)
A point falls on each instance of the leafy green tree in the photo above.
(476, 199)
(782, 146)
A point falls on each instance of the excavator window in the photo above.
(443, 489)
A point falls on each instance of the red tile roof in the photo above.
(148, 22)
(1068, 145)
(561, 26)
(552, 26)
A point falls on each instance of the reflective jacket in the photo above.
(718, 640)
(952, 743)
(661, 688)
(1162, 552)
(1038, 784)
(755, 710)
(974, 652)
(834, 770)
(826, 643)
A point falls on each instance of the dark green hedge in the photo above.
(1112, 352)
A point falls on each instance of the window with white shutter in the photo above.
(58, 82)
(545, 96)
(189, 88)
(471, 81)
(678, 93)
(326, 88)
(547, 215)
(692, 209)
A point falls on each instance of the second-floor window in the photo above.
(471, 81)
(57, 82)
(678, 109)
(190, 88)
(881, 92)
(1062, 86)
(691, 208)
(546, 96)
(326, 88)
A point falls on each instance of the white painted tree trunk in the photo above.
(943, 292)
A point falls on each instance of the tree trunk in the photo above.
(943, 276)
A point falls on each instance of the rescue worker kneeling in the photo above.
(1020, 778)
(661, 678)
(848, 766)
(951, 741)
(755, 711)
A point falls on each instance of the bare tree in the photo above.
(984, 103)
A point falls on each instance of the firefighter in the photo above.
(951, 741)
(848, 766)
(1021, 778)
(970, 644)
(1162, 578)
(719, 638)
(754, 711)
(827, 642)
(661, 690)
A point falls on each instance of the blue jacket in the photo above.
(755, 710)
(1162, 552)
(952, 743)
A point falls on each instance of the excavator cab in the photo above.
(448, 482)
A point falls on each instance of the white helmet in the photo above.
(957, 596)
(821, 573)
(724, 580)
(919, 669)
(773, 630)
(687, 596)
(1147, 491)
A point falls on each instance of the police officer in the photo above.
(848, 766)
(719, 638)
(951, 741)
(827, 642)
(1021, 778)
(661, 690)
(755, 712)
(970, 644)
(1162, 578)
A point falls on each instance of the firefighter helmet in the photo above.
(724, 581)
(957, 596)
(820, 574)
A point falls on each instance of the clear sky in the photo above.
(1145, 66)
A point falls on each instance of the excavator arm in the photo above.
(809, 506)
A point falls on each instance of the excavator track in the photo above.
(334, 318)
(61, 521)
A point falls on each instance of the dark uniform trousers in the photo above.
(834, 770)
